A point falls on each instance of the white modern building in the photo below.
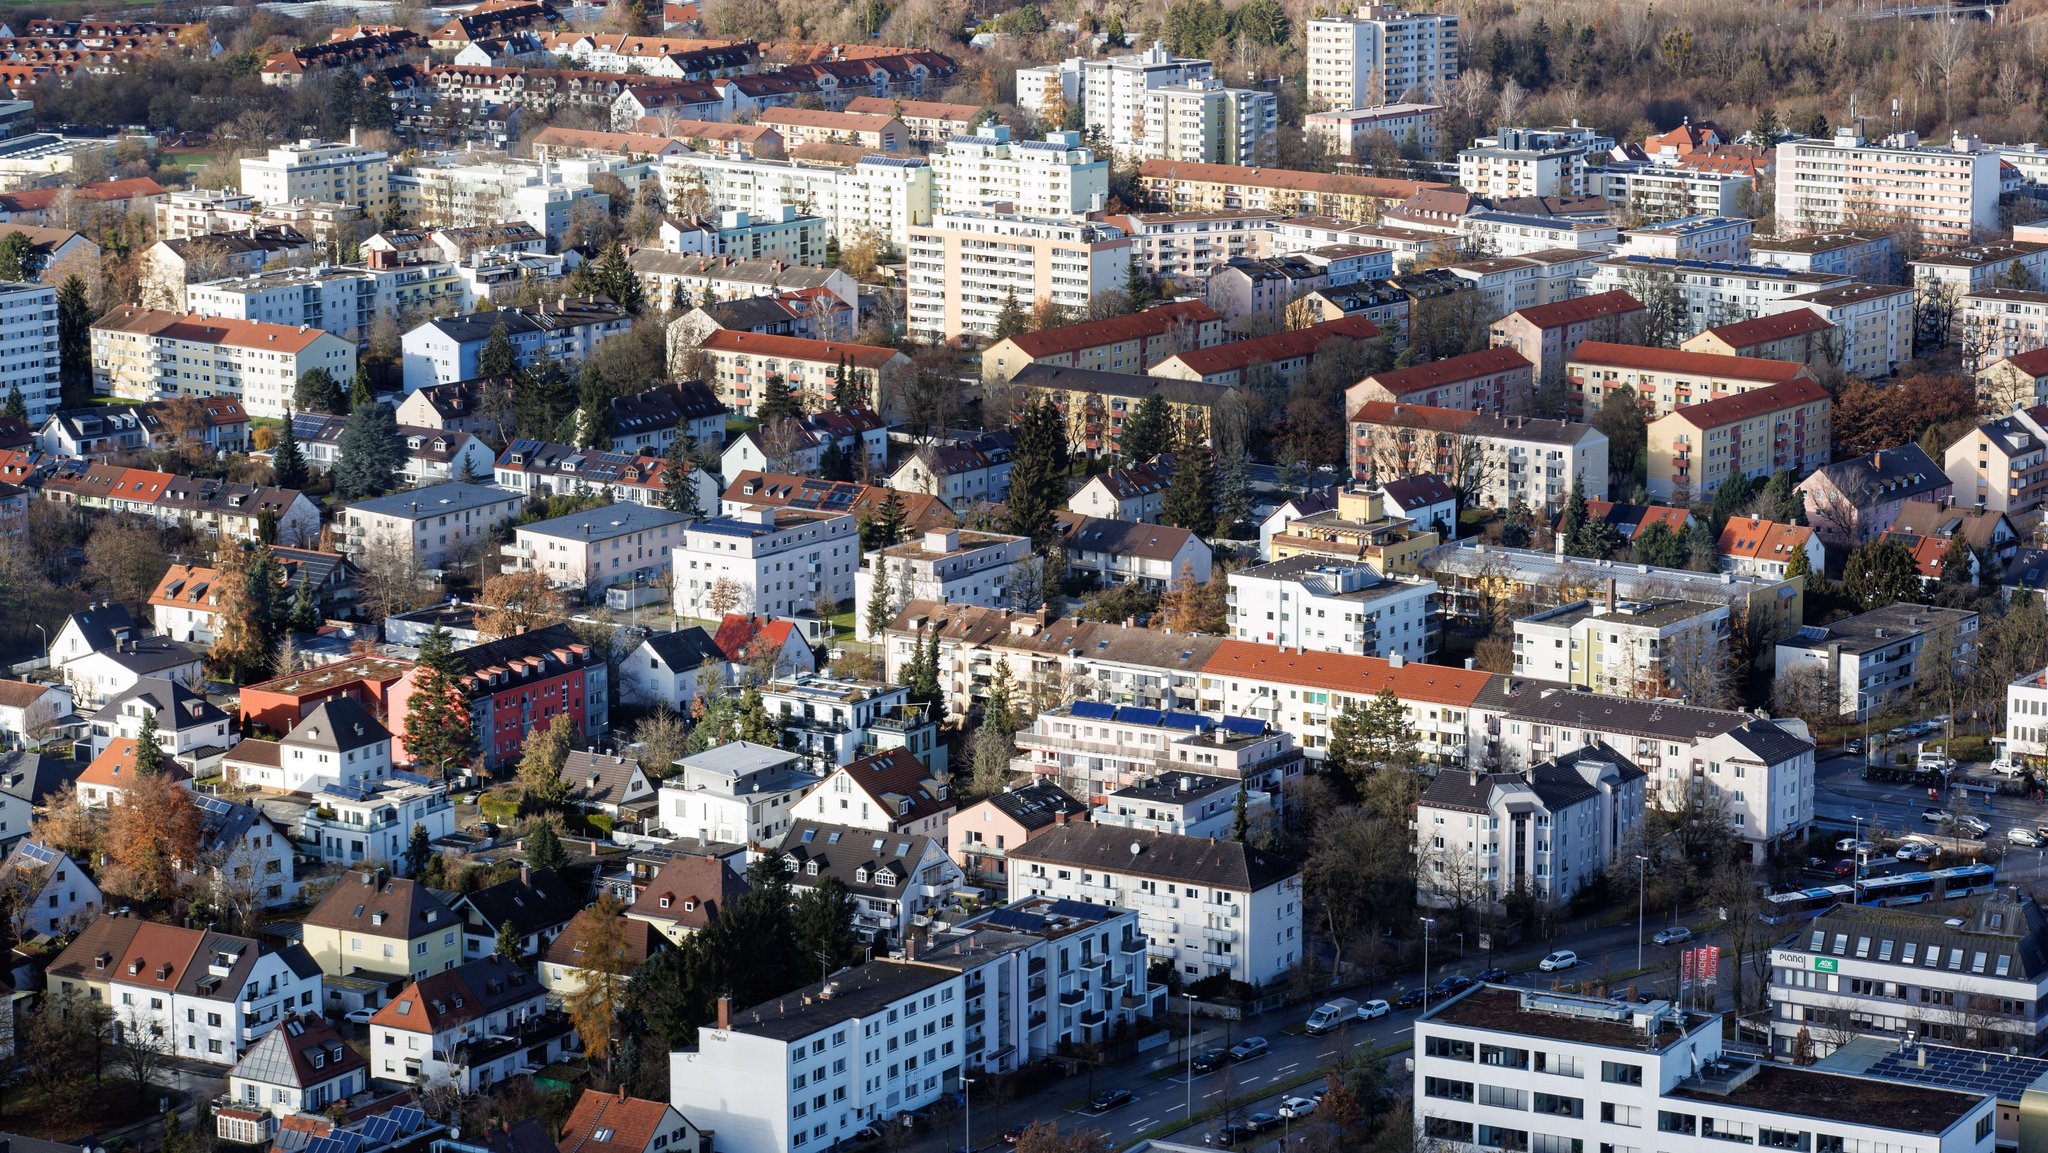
(546, 196)
(1203, 122)
(428, 524)
(1714, 293)
(2026, 716)
(319, 171)
(467, 1028)
(1114, 90)
(1380, 55)
(767, 561)
(371, 825)
(1649, 648)
(1873, 661)
(342, 300)
(567, 329)
(1092, 750)
(881, 196)
(616, 545)
(29, 362)
(1526, 162)
(1207, 907)
(831, 720)
(738, 793)
(1948, 194)
(1311, 602)
(1053, 177)
(950, 566)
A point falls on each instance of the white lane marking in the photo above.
(1327, 1053)
(1212, 1093)
(1142, 1121)
(1288, 1068)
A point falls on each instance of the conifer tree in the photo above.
(287, 463)
(678, 487)
(149, 755)
(438, 725)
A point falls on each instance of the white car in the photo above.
(360, 1016)
(1373, 1009)
(1295, 1108)
(2027, 837)
(1561, 959)
(2005, 768)
(1852, 845)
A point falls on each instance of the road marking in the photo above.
(1287, 1069)
(1212, 1093)
(1327, 1053)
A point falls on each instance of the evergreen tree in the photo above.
(1038, 473)
(305, 616)
(616, 279)
(678, 488)
(544, 847)
(1137, 287)
(594, 410)
(507, 944)
(1241, 825)
(1955, 565)
(360, 393)
(1881, 573)
(924, 683)
(542, 398)
(1233, 491)
(881, 601)
(16, 406)
(755, 723)
(371, 453)
(1147, 431)
(343, 94)
(778, 402)
(438, 725)
(1801, 566)
(890, 519)
(19, 259)
(318, 391)
(1190, 500)
(266, 598)
(1574, 520)
(849, 391)
(496, 358)
(374, 111)
(1011, 319)
(287, 463)
(419, 851)
(832, 461)
(74, 339)
(149, 755)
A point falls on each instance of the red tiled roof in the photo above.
(2033, 362)
(611, 1123)
(1279, 346)
(1756, 539)
(1763, 329)
(1113, 330)
(1485, 362)
(1284, 178)
(738, 631)
(1579, 309)
(799, 348)
(689, 891)
(1361, 676)
(1772, 398)
(115, 767)
(1634, 356)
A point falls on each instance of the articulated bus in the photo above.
(1901, 889)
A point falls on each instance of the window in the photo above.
(1558, 1106)
(1447, 1048)
(1614, 1114)
(1501, 1097)
(1503, 1057)
(1669, 1122)
(1616, 1073)
(1447, 1089)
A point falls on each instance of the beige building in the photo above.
(618, 545)
(1203, 121)
(1798, 335)
(1054, 177)
(1496, 380)
(1181, 247)
(1185, 186)
(1949, 194)
(2000, 322)
(1666, 378)
(1695, 449)
(1348, 132)
(742, 362)
(965, 267)
(384, 926)
(1132, 343)
(317, 171)
(1873, 322)
(801, 126)
(146, 353)
(1547, 335)
(1498, 462)
(1359, 529)
(979, 837)
(2021, 379)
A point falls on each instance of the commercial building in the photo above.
(146, 353)
(1949, 195)
(1694, 449)
(966, 266)
(1380, 55)
(774, 562)
(1878, 660)
(1487, 1075)
(587, 552)
(314, 170)
(1307, 602)
(1640, 648)
(1054, 177)
(428, 524)
(1497, 462)
(1548, 831)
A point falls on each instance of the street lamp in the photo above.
(46, 643)
(967, 1122)
(1857, 848)
(1190, 997)
(1428, 923)
(1642, 867)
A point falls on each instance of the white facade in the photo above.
(617, 545)
(56, 896)
(2026, 716)
(738, 793)
(28, 347)
(1874, 324)
(965, 266)
(1527, 162)
(145, 354)
(781, 560)
(1629, 647)
(1312, 603)
(1346, 132)
(951, 567)
(372, 826)
(1872, 661)
(1203, 122)
(1550, 831)
(1714, 294)
(1055, 176)
(882, 196)
(1949, 194)
(428, 523)
(1380, 56)
(334, 745)
(1114, 88)
(313, 170)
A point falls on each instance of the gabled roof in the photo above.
(1580, 309)
(1131, 483)
(1485, 362)
(538, 900)
(596, 778)
(1284, 179)
(1979, 526)
(684, 649)
(800, 348)
(868, 863)
(738, 632)
(338, 724)
(641, 941)
(1753, 538)
(1358, 675)
(382, 906)
(1037, 805)
(1889, 474)
(1556, 782)
(1113, 330)
(1726, 410)
(612, 1123)
(1279, 346)
(102, 624)
(33, 776)
(176, 706)
(469, 992)
(689, 891)
(900, 785)
(114, 768)
(2033, 362)
(1204, 861)
(1121, 537)
(1412, 492)
(1764, 329)
(1601, 354)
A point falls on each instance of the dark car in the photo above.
(1235, 1134)
(1486, 975)
(1210, 1060)
(1260, 1122)
(1844, 867)
(1011, 1136)
(1409, 999)
(1109, 1099)
(1450, 985)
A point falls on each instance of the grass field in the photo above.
(183, 158)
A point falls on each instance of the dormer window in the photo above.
(861, 874)
(886, 879)
(664, 902)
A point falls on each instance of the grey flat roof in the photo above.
(613, 520)
(738, 758)
(856, 992)
(436, 500)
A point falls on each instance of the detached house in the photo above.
(467, 1029)
(605, 783)
(1856, 500)
(381, 925)
(534, 907)
(567, 963)
(615, 1123)
(302, 1066)
(2002, 464)
(1752, 546)
(894, 878)
(56, 896)
(686, 895)
(1153, 556)
(890, 791)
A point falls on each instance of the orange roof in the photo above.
(1470, 366)
(611, 1123)
(2033, 362)
(920, 109)
(1601, 354)
(1763, 329)
(1112, 330)
(1757, 539)
(1279, 346)
(830, 121)
(1927, 551)
(1580, 309)
(115, 767)
(210, 329)
(22, 694)
(157, 955)
(1645, 514)
(1284, 178)
(1771, 398)
(1358, 676)
(186, 586)
(799, 348)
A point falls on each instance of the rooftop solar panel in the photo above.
(410, 1120)
(1194, 722)
(379, 1130)
(1250, 726)
(1137, 716)
(1094, 711)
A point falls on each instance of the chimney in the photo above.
(525, 875)
(1062, 818)
(724, 1013)
(1610, 594)
(910, 945)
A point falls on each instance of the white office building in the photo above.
(314, 170)
(1380, 55)
(1526, 162)
(1312, 602)
(1114, 88)
(1092, 749)
(776, 561)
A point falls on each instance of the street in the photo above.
(1842, 796)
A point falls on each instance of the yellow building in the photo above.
(1096, 404)
(382, 925)
(1186, 186)
(1358, 529)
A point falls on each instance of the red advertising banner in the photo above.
(1685, 964)
(1713, 963)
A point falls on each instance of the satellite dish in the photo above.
(1136, 848)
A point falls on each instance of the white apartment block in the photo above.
(1311, 602)
(1713, 238)
(1874, 324)
(1507, 1068)
(738, 793)
(1549, 831)
(788, 236)
(587, 552)
(1950, 195)
(148, 354)
(1300, 692)
(1655, 192)
(778, 562)
(1347, 132)
(544, 196)
(1873, 661)
(373, 822)
(340, 300)
(1992, 324)
(29, 360)
(1999, 264)
(966, 265)
(1507, 234)
(1526, 162)
(2026, 716)
(1381, 55)
(1092, 749)
(1501, 461)
(883, 196)
(429, 524)
(1114, 88)
(950, 566)
(1207, 907)
(1629, 647)
(1184, 246)
(1206, 123)
(1048, 92)
(313, 170)
(1052, 177)
(1714, 293)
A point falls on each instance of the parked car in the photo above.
(1852, 845)
(1853, 747)
(1917, 851)
(1234, 1133)
(1937, 816)
(2025, 837)
(1559, 959)
(360, 1016)
(1846, 867)
(1295, 1108)
(1672, 935)
(1260, 1122)
(1975, 826)
(1373, 1008)
(1451, 985)
(1109, 1099)
(1210, 1060)
(1410, 998)
(1486, 975)
(2006, 768)
(1248, 1048)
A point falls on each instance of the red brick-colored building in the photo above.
(518, 684)
(279, 704)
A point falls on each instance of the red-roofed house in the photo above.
(890, 791)
(741, 363)
(570, 958)
(107, 778)
(1752, 546)
(1631, 519)
(615, 1123)
(744, 639)
(1929, 554)
(686, 895)
(467, 1027)
(1694, 449)
(1132, 343)
(2021, 379)
(1666, 378)
(1265, 682)
(1285, 354)
(1548, 334)
(1496, 380)
(32, 206)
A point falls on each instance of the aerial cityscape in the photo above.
(867, 576)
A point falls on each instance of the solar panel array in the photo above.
(410, 1120)
(38, 853)
(1161, 718)
(341, 1141)
(380, 1130)
(212, 804)
(2001, 1075)
(412, 778)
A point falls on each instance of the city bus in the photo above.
(1804, 904)
(1933, 885)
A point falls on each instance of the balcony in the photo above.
(1072, 997)
(1132, 945)
(1214, 934)
(1101, 894)
(1222, 960)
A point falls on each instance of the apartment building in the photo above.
(1471, 573)
(1505, 1067)
(1876, 660)
(1091, 750)
(1713, 293)
(1181, 247)
(1184, 186)
(1299, 692)
(980, 836)
(1548, 335)
(1497, 381)
(1856, 500)
(1213, 906)
(1694, 449)
(1526, 162)
(1799, 335)
(316, 170)
(1666, 379)
(546, 196)
(146, 353)
(1202, 121)
(373, 822)
(1723, 239)
(1874, 324)
(1949, 195)
(1962, 973)
(890, 792)
(1054, 177)
(1307, 602)
(779, 562)
(962, 471)
(1114, 91)
(567, 330)
(1380, 55)
(340, 300)
(952, 566)
(1515, 234)
(28, 348)
(188, 213)
(1360, 528)
(882, 196)
(789, 236)
(1348, 132)
(966, 266)
(429, 524)
(2002, 464)
(373, 923)
(799, 126)
(517, 684)
(1995, 264)
(2000, 322)
(1127, 344)
(468, 1029)
(1867, 257)
(587, 552)
(1647, 190)
(742, 362)
(1094, 404)
(1549, 830)
(1644, 648)
(2020, 380)
(738, 793)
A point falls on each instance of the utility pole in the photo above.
(1428, 923)
(1642, 865)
